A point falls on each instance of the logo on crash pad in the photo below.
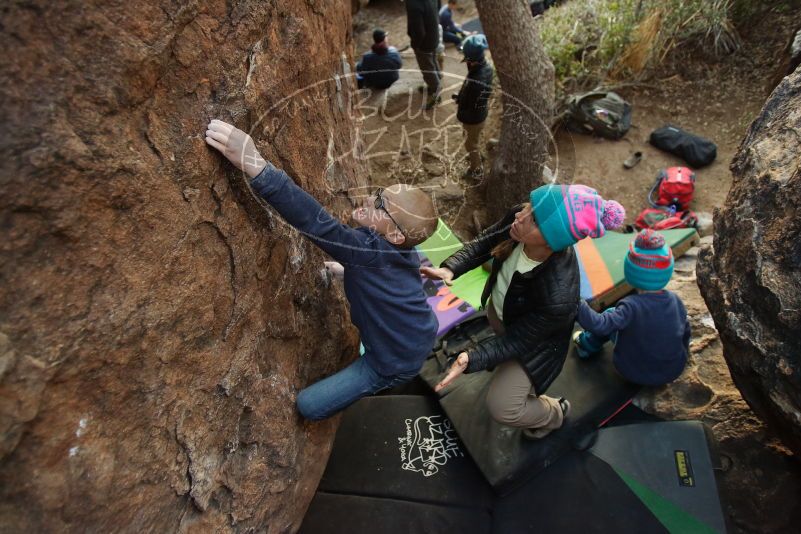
(429, 443)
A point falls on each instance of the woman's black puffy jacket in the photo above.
(538, 311)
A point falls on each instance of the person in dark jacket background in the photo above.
(532, 297)
(423, 30)
(473, 100)
(379, 67)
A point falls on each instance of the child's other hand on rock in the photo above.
(335, 268)
(235, 145)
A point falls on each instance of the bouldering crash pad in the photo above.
(459, 301)
(601, 263)
(397, 465)
(659, 476)
(403, 447)
(595, 390)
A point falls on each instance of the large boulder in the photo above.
(751, 279)
(156, 323)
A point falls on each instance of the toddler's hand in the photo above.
(438, 273)
(235, 145)
(335, 268)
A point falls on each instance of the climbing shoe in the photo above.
(580, 350)
(539, 433)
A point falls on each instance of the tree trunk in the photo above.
(526, 75)
(750, 281)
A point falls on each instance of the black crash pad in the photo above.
(505, 458)
(349, 514)
(580, 493)
(645, 477)
(403, 447)
(671, 466)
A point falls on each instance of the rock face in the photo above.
(156, 323)
(759, 475)
(751, 282)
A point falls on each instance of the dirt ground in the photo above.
(716, 98)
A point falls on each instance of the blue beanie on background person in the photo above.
(473, 47)
(649, 263)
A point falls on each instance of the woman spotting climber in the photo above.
(533, 296)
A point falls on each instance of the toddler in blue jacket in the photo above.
(381, 272)
(650, 328)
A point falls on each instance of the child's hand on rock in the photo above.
(235, 145)
(335, 268)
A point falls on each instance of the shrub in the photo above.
(591, 41)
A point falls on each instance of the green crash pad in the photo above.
(601, 263)
(437, 248)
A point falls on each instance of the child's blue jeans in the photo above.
(335, 393)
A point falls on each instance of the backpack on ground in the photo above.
(693, 149)
(675, 187)
(602, 113)
(665, 219)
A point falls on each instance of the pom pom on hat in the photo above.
(614, 214)
(649, 239)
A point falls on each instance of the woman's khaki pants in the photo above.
(511, 398)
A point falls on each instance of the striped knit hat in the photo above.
(566, 214)
(649, 263)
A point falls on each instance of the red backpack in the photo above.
(675, 187)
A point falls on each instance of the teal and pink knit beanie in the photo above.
(649, 262)
(566, 214)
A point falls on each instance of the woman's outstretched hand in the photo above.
(438, 273)
(454, 372)
(235, 145)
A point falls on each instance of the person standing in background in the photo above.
(473, 100)
(422, 27)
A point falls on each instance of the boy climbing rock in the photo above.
(381, 272)
(650, 328)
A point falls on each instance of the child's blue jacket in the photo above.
(382, 282)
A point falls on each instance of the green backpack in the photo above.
(599, 112)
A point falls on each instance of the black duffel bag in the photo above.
(696, 151)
